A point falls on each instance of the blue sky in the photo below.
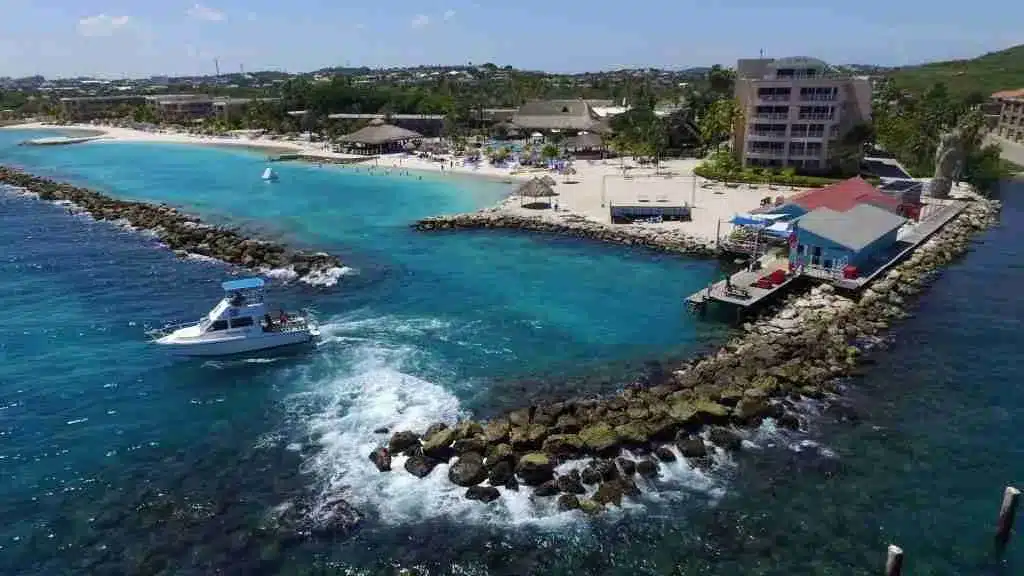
(137, 37)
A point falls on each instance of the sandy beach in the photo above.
(588, 193)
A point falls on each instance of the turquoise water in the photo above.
(116, 460)
(423, 327)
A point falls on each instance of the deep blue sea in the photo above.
(115, 459)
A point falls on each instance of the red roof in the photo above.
(844, 195)
(1002, 94)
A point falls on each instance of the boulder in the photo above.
(698, 413)
(438, 444)
(468, 429)
(662, 428)
(527, 438)
(691, 446)
(468, 470)
(564, 445)
(634, 433)
(589, 506)
(496, 431)
(434, 428)
(789, 420)
(750, 410)
(726, 438)
(520, 418)
(381, 458)
(627, 466)
(512, 484)
(611, 492)
(500, 473)
(599, 439)
(590, 476)
(535, 468)
(567, 424)
(470, 444)
(483, 493)
(647, 468)
(607, 469)
(570, 484)
(498, 453)
(546, 489)
(665, 454)
(568, 502)
(420, 466)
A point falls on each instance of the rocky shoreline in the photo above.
(628, 234)
(180, 232)
(799, 352)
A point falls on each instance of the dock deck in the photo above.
(745, 280)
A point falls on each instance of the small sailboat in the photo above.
(239, 323)
(269, 175)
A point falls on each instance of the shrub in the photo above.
(787, 177)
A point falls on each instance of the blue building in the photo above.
(847, 244)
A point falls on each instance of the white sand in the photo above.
(588, 193)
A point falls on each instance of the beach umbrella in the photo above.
(548, 180)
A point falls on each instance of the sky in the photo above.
(117, 38)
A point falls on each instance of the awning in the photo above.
(748, 219)
(780, 229)
(243, 284)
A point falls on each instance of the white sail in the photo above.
(269, 174)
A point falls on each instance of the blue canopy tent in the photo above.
(243, 284)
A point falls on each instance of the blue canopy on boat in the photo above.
(243, 284)
(755, 219)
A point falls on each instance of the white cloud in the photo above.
(420, 21)
(201, 12)
(449, 14)
(102, 25)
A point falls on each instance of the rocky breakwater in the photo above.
(778, 362)
(182, 233)
(657, 238)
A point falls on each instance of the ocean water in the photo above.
(115, 459)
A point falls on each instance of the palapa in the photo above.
(378, 133)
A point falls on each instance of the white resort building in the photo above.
(793, 110)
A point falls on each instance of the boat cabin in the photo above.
(242, 310)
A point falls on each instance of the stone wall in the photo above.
(630, 235)
(180, 232)
(780, 360)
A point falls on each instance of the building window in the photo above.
(801, 249)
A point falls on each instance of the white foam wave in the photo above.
(369, 387)
(328, 276)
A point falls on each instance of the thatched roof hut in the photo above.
(377, 133)
(560, 115)
(547, 179)
(585, 141)
(536, 189)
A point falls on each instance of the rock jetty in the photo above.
(800, 352)
(180, 232)
(662, 239)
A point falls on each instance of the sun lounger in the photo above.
(643, 198)
(661, 198)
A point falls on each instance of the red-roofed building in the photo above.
(842, 196)
(1010, 124)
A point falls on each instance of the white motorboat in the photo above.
(239, 323)
(269, 175)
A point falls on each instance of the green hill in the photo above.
(985, 74)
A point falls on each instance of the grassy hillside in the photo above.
(986, 74)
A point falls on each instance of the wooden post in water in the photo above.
(894, 561)
(718, 234)
(1007, 514)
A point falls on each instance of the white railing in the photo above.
(806, 116)
(817, 98)
(772, 116)
(774, 97)
(768, 134)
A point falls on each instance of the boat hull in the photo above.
(233, 346)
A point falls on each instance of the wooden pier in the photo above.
(740, 289)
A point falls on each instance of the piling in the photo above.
(894, 561)
(1007, 514)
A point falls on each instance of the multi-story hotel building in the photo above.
(1011, 115)
(793, 111)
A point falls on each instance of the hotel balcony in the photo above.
(774, 97)
(815, 117)
(818, 98)
(772, 116)
(767, 134)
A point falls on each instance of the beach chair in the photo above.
(643, 198)
(661, 198)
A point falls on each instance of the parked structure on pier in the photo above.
(844, 243)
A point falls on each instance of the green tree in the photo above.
(716, 125)
(549, 152)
